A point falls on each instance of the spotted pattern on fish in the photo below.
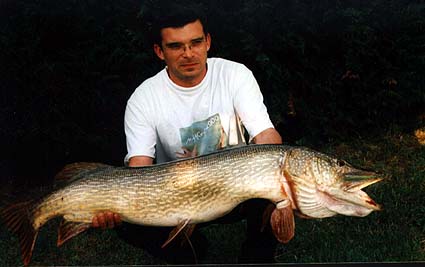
(197, 190)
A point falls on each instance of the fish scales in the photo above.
(200, 189)
(164, 194)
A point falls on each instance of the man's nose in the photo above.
(187, 50)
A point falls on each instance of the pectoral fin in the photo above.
(267, 215)
(283, 223)
(68, 230)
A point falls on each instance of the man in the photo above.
(194, 106)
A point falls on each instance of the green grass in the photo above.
(395, 234)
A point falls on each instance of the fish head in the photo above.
(324, 186)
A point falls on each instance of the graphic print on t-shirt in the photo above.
(207, 135)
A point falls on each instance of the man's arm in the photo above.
(109, 219)
(268, 136)
(139, 161)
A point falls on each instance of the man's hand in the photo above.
(187, 153)
(106, 219)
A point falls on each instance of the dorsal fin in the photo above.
(74, 170)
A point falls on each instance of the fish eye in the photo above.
(340, 163)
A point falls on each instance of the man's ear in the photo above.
(158, 51)
(208, 39)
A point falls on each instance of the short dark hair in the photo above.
(175, 16)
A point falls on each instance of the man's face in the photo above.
(184, 50)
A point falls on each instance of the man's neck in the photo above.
(188, 81)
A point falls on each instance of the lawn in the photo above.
(395, 234)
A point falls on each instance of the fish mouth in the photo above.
(349, 199)
(357, 180)
(353, 184)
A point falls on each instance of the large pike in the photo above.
(185, 192)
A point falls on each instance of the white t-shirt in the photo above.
(162, 117)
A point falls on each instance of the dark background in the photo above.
(330, 71)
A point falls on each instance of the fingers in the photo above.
(99, 220)
(194, 151)
(106, 220)
(117, 219)
(109, 220)
(187, 153)
(95, 221)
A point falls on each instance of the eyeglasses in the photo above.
(181, 47)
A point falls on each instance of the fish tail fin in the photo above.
(18, 219)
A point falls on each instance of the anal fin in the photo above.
(68, 230)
